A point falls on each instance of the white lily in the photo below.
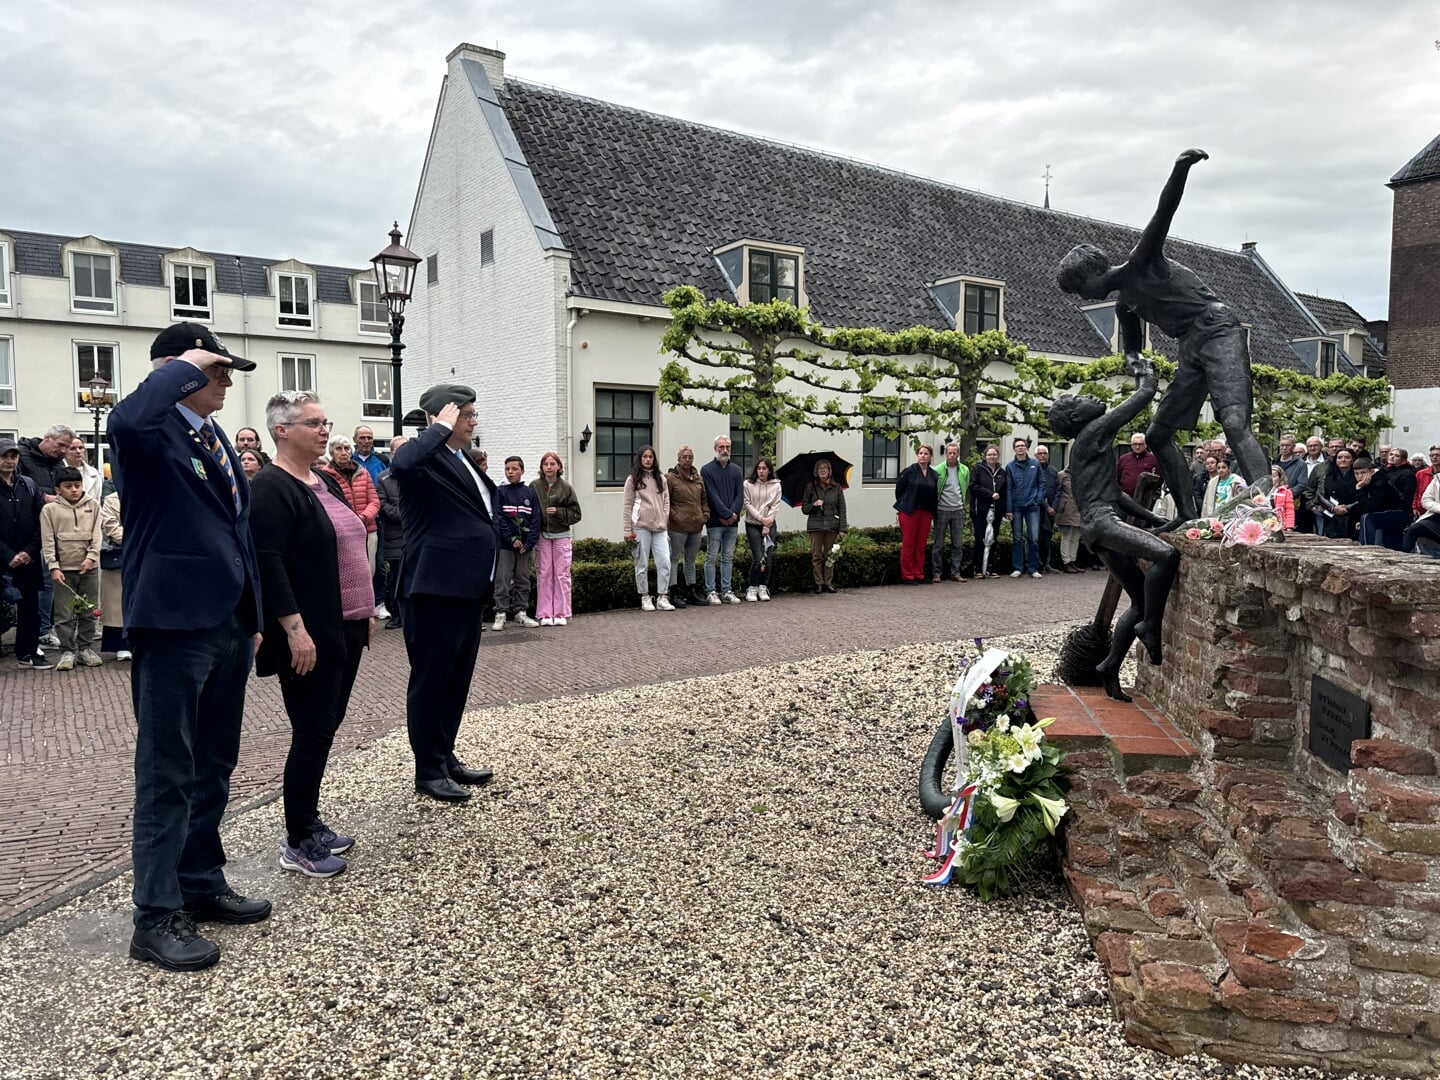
(1052, 809)
(1017, 763)
(1029, 739)
(1005, 806)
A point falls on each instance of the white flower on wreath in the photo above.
(1005, 806)
(1002, 722)
(1029, 738)
(976, 737)
(1018, 763)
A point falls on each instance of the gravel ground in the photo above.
(711, 877)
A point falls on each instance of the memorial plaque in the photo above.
(1337, 718)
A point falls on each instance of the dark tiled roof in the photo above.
(1423, 166)
(642, 200)
(143, 264)
(1337, 315)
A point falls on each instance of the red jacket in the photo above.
(1284, 502)
(1131, 465)
(1422, 481)
(360, 490)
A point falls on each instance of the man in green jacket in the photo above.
(952, 481)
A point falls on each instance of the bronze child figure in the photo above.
(1214, 357)
(1119, 544)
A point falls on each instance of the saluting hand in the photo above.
(449, 414)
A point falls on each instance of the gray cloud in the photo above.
(268, 131)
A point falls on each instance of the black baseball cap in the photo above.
(182, 337)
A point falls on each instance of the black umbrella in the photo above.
(800, 470)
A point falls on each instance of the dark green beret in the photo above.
(442, 394)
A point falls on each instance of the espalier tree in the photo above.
(771, 368)
(1285, 400)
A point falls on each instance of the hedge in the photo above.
(602, 572)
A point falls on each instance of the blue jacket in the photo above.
(725, 489)
(450, 540)
(188, 562)
(517, 514)
(373, 463)
(1024, 485)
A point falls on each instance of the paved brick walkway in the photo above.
(68, 738)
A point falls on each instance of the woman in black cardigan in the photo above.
(319, 615)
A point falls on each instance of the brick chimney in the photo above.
(493, 61)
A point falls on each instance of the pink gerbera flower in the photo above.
(1251, 532)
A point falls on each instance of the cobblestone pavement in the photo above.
(66, 778)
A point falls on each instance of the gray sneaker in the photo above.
(67, 662)
(90, 658)
(311, 859)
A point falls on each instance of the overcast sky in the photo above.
(287, 130)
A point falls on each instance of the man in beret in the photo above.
(192, 613)
(446, 572)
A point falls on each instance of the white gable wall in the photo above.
(498, 328)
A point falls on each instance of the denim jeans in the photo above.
(954, 520)
(720, 545)
(652, 542)
(1026, 559)
(683, 549)
(188, 689)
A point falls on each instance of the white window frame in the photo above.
(297, 322)
(5, 264)
(83, 387)
(7, 348)
(742, 287)
(371, 326)
(309, 358)
(78, 302)
(367, 399)
(192, 312)
(12, 435)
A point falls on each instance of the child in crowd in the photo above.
(1282, 498)
(762, 503)
(559, 509)
(646, 521)
(518, 524)
(70, 541)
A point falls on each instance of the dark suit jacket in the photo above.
(299, 567)
(450, 541)
(188, 562)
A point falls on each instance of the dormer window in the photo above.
(1327, 359)
(1102, 317)
(292, 301)
(1318, 354)
(374, 315)
(4, 273)
(761, 272)
(974, 305)
(190, 291)
(92, 282)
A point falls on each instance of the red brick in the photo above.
(1268, 942)
(1397, 802)
(1316, 881)
(1390, 868)
(1170, 824)
(1224, 725)
(1164, 904)
(1114, 951)
(1263, 1005)
(1345, 808)
(1170, 786)
(1392, 756)
(1259, 708)
(1083, 854)
(1178, 985)
(1258, 973)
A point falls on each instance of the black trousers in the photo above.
(316, 703)
(27, 613)
(442, 638)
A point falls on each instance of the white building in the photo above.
(74, 306)
(551, 225)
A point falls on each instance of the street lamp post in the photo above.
(395, 277)
(99, 405)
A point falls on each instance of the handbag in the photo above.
(109, 556)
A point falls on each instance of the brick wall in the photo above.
(1263, 906)
(1414, 332)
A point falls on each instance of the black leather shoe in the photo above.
(827, 587)
(463, 774)
(227, 907)
(444, 789)
(174, 945)
(393, 623)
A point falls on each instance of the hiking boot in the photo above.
(662, 603)
(646, 604)
(90, 658)
(311, 859)
(174, 944)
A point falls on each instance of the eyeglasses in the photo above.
(313, 424)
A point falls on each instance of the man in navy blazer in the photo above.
(192, 612)
(446, 572)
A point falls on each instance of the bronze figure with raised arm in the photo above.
(1103, 505)
(1214, 356)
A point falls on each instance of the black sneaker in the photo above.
(174, 944)
(36, 661)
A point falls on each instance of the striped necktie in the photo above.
(213, 444)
